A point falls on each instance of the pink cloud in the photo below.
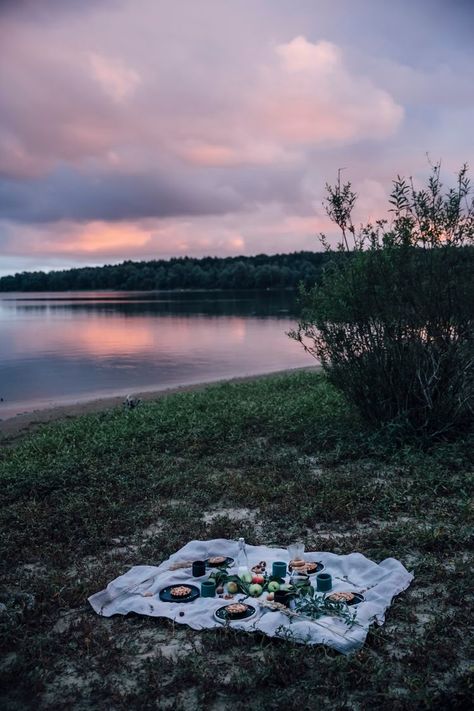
(304, 95)
(316, 98)
(89, 104)
(299, 55)
(117, 80)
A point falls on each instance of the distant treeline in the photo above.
(278, 271)
(259, 272)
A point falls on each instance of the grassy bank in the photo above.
(271, 460)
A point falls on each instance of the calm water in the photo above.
(67, 347)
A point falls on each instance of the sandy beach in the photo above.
(13, 427)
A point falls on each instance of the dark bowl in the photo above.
(283, 597)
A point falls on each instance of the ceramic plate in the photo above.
(356, 599)
(318, 569)
(166, 596)
(222, 616)
(227, 563)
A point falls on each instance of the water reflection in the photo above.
(63, 347)
(238, 303)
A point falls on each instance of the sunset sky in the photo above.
(138, 129)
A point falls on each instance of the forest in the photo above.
(257, 272)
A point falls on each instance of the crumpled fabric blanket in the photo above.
(137, 591)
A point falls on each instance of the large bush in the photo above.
(392, 322)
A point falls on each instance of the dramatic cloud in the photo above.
(157, 128)
(99, 195)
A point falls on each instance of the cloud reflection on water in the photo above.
(53, 351)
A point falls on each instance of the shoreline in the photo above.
(17, 426)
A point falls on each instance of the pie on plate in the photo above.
(236, 609)
(342, 596)
(180, 591)
(217, 560)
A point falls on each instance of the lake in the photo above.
(58, 348)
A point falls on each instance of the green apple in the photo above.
(255, 590)
(232, 587)
(273, 586)
(246, 576)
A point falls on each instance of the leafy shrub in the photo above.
(392, 322)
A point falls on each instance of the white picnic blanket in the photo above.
(378, 582)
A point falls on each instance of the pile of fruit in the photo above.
(253, 583)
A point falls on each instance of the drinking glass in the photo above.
(296, 551)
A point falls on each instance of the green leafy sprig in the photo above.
(314, 606)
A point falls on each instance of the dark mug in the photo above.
(323, 582)
(199, 568)
(282, 596)
(279, 569)
(208, 589)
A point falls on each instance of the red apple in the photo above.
(259, 579)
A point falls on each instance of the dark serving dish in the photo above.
(223, 616)
(318, 569)
(166, 596)
(357, 598)
(225, 564)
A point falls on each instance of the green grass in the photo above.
(84, 500)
